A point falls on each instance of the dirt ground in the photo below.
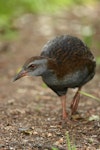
(30, 113)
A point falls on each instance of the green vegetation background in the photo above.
(13, 8)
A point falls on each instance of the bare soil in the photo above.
(30, 113)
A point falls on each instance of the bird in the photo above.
(65, 62)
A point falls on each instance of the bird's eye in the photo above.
(31, 66)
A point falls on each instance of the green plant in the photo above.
(68, 142)
(89, 95)
(11, 9)
(98, 60)
(54, 148)
(70, 146)
(87, 34)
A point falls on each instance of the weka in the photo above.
(65, 62)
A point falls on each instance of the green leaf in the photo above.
(89, 95)
(70, 146)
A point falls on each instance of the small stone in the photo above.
(49, 134)
(11, 101)
(35, 133)
(94, 117)
(32, 128)
(60, 141)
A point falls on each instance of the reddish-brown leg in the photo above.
(75, 101)
(63, 102)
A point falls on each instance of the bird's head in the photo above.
(34, 66)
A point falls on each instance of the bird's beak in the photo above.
(19, 75)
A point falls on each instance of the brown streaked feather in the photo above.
(70, 66)
(68, 55)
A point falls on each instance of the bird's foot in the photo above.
(65, 120)
(76, 117)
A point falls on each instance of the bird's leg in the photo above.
(63, 102)
(75, 101)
